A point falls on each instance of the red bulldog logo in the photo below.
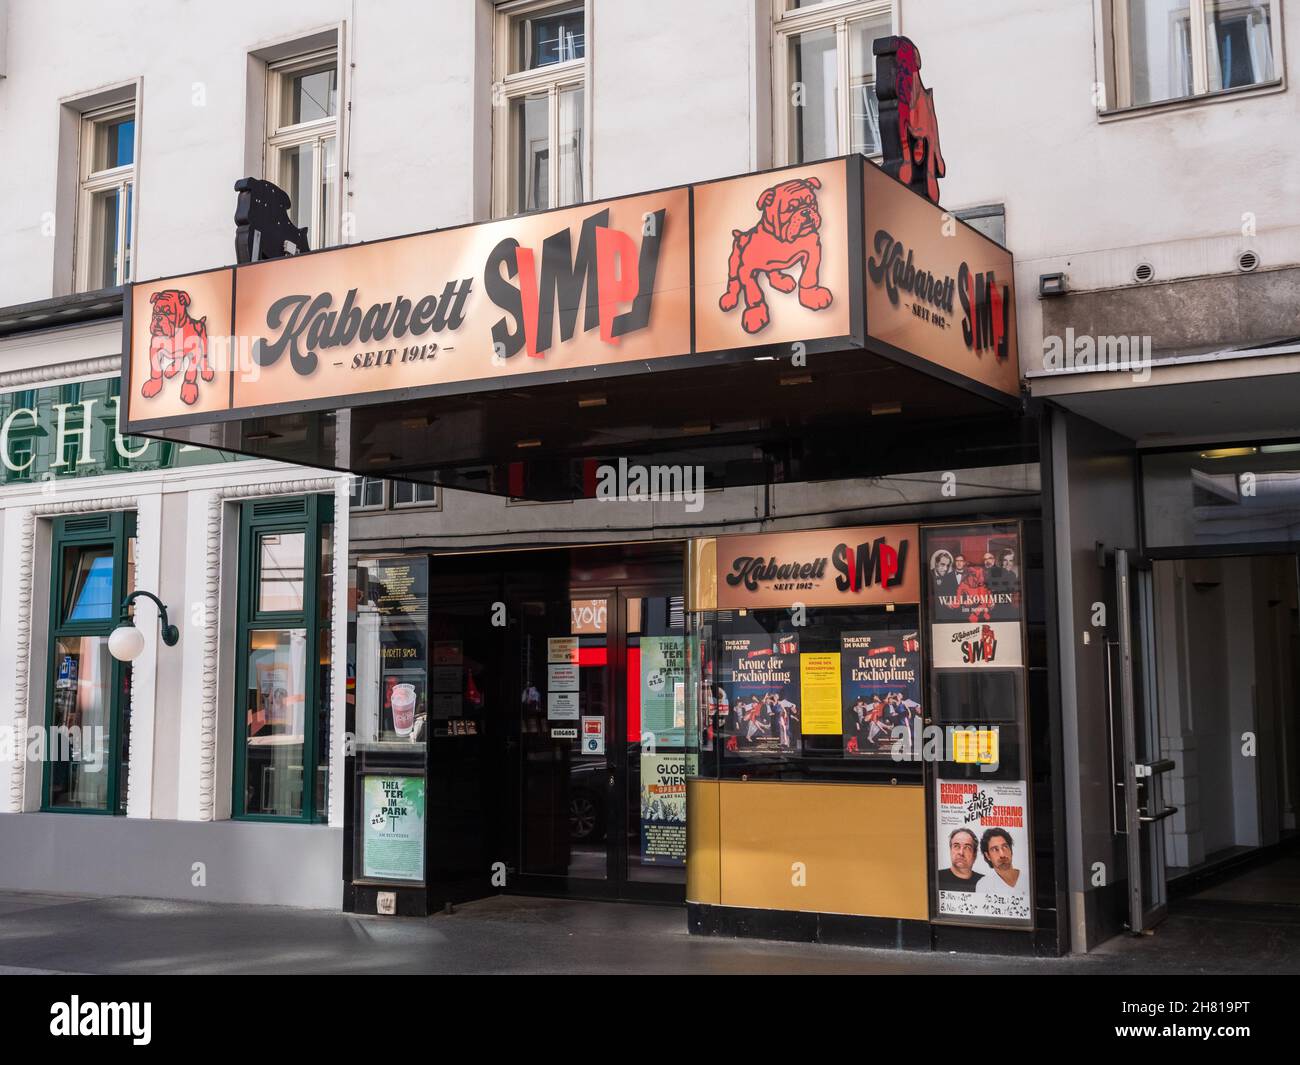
(176, 342)
(909, 128)
(787, 232)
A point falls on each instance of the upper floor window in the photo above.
(1165, 50)
(375, 493)
(408, 494)
(302, 146)
(367, 493)
(825, 77)
(539, 117)
(107, 191)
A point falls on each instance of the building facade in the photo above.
(1130, 162)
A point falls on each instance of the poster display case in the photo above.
(392, 708)
(894, 655)
(982, 851)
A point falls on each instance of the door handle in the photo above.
(1168, 811)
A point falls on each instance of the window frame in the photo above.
(92, 183)
(1116, 61)
(551, 79)
(116, 533)
(369, 508)
(416, 504)
(324, 227)
(317, 512)
(788, 22)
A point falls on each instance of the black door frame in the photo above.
(616, 885)
(640, 890)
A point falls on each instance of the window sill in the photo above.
(1184, 103)
(87, 810)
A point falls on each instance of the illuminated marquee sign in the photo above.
(821, 567)
(662, 280)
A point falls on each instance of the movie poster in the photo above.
(663, 807)
(761, 674)
(973, 574)
(881, 673)
(982, 851)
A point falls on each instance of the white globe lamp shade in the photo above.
(125, 643)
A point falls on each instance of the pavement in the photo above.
(41, 933)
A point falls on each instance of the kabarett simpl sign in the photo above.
(936, 288)
(819, 567)
(768, 263)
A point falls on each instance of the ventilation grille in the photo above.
(90, 523)
(1143, 273)
(1247, 261)
(280, 508)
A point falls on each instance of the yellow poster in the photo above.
(820, 677)
(975, 746)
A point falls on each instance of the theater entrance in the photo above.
(577, 657)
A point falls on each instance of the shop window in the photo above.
(88, 691)
(824, 78)
(1168, 50)
(283, 659)
(107, 176)
(541, 105)
(302, 148)
(827, 700)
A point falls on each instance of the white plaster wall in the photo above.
(672, 92)
(168, 751)
(679, 93)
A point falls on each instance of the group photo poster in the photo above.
(762, 676)
(881, 678)
(974, 573)
(982, 851)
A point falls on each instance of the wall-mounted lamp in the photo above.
(1051, 285)
(126, 642)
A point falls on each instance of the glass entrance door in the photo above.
(1141, 767)
(653, 664)
(599, 679)
(564, 687)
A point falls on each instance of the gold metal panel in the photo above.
(702, 574)
(703, 880)
(861, 848)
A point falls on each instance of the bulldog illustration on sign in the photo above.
(786, 233)
(176, 341)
